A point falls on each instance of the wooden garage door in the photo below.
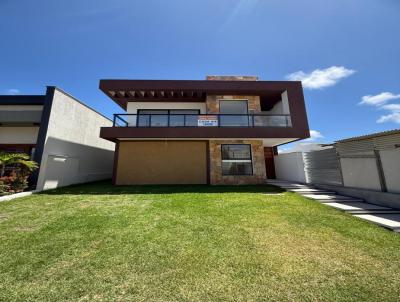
(162, 162)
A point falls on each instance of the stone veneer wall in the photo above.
(259, 174)
(212, 102)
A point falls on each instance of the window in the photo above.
(166, 117)
(236, 160)
(152, 118)
(234, 113)
(183, 117)
(233, 107)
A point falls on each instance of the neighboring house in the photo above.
(223, 130)
(20, 120)
(60, 133)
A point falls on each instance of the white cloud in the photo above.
(314, 135)
(393, 117)
(379, 99)
(391, 107)
(13, 91)
(321, 78)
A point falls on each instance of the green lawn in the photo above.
(190, 243)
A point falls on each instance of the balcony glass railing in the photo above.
(201, 120)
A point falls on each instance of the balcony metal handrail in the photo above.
(144, 120)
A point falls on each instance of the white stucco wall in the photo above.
(285, 103)
(390, 160)
(134, 106)
(282, 107)
(74, 151)
(360, 173)
(18, 135)
(290, 166)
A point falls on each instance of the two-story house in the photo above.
(222, 130)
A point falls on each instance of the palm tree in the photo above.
(21, 159)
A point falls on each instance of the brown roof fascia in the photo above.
(201, 87)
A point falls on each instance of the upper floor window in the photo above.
(233, 107)
(234, 113)
(236, 159)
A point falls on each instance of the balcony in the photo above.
(20, 116)
(202, 120)
(279, 127)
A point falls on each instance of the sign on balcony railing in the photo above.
(207, 121)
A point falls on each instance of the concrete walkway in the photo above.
(383, 216)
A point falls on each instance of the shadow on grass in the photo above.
(106, 188)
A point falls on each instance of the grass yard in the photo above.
(190, 243)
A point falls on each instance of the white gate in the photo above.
(322, 167)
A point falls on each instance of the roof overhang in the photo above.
(369, 136)
(22, 99)
(124, 91)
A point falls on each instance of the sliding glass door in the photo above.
(167, 117)
(236, 113)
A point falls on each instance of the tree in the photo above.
(20, 159)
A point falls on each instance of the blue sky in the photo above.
(344, 50)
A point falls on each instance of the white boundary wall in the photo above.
(73, 151)
(290, 166)
(360, 173)
(371, 162)
(391, 166)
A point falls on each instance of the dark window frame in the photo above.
(238, 160)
